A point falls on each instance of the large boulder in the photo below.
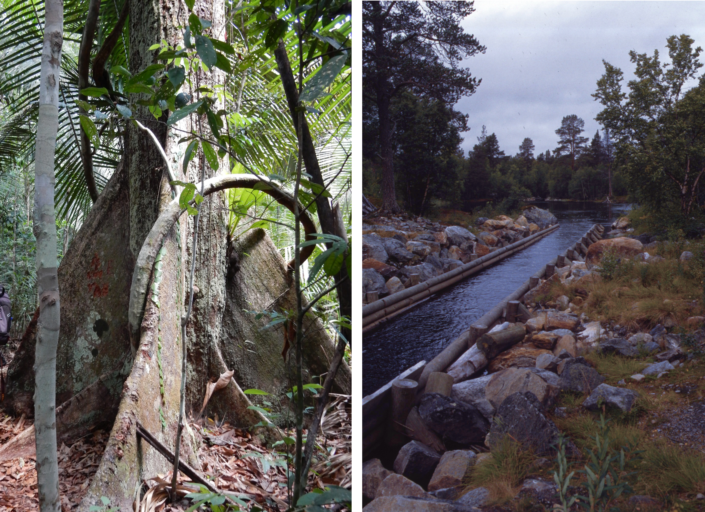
(372, 281)
(397, 251)
(515, 380)
(470, 391)
(521, 416)
(373, 473)
(567, 343)
(457, 423)
(451, 470)
(419, 248)
(458, 235)
(394, 285)
(545, 340)
(624, 247)
(618, 346)
(398, 485)
(425, 271)
(417, 462)
(620, 398)
(386, 271)
(621, 223)
(373, 247)
(488, 239)
(516, 357)
(561, 320)
(414, 504)
(542, 218)
(456, 253)
(579, 378)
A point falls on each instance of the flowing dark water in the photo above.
(422, 332)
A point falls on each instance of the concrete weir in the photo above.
(378, 407)
(382, 310)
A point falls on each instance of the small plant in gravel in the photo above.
(605, 476)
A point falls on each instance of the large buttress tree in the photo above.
(419, 46)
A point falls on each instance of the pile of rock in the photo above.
(399, 253)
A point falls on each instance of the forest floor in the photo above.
(230, 458)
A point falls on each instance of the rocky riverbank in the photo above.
(573, 356)
(399, 252)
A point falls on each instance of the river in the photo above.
(422, 332)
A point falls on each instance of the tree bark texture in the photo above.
(47, 279)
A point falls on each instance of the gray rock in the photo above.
(394, 285)
(435, 261)
(397, 250)
(398, 485)
(425, 271)
(657, 332)
(521, 417)
(373, 247)
(450, 264)
(542, 218)
(560, 412)
(419, 248)
(686, 256)
(550, 377)
(457, 423)
(470, 391)
(547, 362)
(656, 368)
(618, 346)
(651, 347)
(637, 377)
(512, 380)
(372, 281)
(480, 221)
(611, 396)
(562, 332)
(451, 470)
(458, 235)
(580, 378)
(486, 408)
(450, 493)
(640, 338)
(401, 238)
(428, 237)
(412, 504)
(417, 462)
(475, 498)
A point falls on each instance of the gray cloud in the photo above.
(544, 58)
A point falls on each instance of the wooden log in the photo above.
(533, 282)
(493, 343)
(372, 297)
(418, 431)
(468, 364)
(560, 261)
(550, 270)
(476, 330)
(439, 382)
(512, 309)
(583, 249)
(403, 398)
(414, 279)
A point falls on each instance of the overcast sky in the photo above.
(544, 58)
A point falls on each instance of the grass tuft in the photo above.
(667, 469)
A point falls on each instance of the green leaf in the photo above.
(312, 386)
(214, 122)
(90, 129)
(189, 4)
(105, 500)
(138, 89)
(302, 8)
(190, 153)
(258, 409)
(94, 92)
(183, 112)
(194, 22)
(275, 32)
(205, 51)
(119, 70)
(332, 494)
(186, 194)
(176, 76)
(156, 111)
(223, 63)
(323, 77)
(210, 155)
(333, 264)
(126, 112)
(146, 74)
(318, 263)
(263, 224)
(255, 392)
(223, 46)
(315, 188)
(182, 99)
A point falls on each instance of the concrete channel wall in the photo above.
(376, 407)
(382, 310)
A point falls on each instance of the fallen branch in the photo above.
(183, 467)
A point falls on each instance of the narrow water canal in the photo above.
(422, 332)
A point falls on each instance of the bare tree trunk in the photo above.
(47, 277)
